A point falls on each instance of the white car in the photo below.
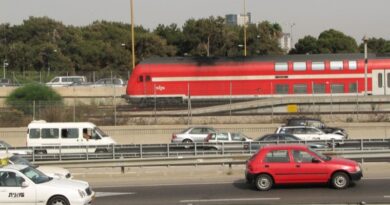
(308, 133)
(7, 148)
(22, 184)
(227, 137)
(61, 81)
(192, 134)
(51, 171)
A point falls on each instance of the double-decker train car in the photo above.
(183, 78)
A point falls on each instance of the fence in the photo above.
(374, 150)
(59, 153)
(20, 78)
(109, 111)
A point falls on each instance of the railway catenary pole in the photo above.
(132, 35)
(365, 64)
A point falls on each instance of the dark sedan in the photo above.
(280, 138)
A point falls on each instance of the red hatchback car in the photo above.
(288, 164)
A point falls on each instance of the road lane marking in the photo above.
(168, 184)
(195, 183)
(105, 194)
(387, 196)
(227, 200)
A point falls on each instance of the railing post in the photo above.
(113, 151)
(168, 150)
(60, 151)
(86, 151)
(33, 154)
(223, 148)
(196, 149)
(333, 145)
(140, 151)
(361, 144)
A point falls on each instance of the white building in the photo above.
(285, 42)
(238, 19)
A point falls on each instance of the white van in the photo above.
(42, 134)
(61, 81)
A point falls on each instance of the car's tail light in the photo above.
(174, 136)
(249, 166)
(207, 139)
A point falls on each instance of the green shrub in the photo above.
(27, 97)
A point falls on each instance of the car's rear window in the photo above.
(277, 156)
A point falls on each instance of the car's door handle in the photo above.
(3, 190)
(298, 165)
(266, 166)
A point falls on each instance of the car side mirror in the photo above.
(24, 184)
(315, 160)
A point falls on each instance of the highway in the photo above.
(238, 192)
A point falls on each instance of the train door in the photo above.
(381, 82)
(146, 82)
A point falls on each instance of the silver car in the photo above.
(192, 134)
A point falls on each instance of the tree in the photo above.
(306, 45)
(269, 35)
(173, 35)
(332, 41)
(203, 37)
(376, 45)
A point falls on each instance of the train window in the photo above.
(299, 66)
(388, 80)
(319, 88)
(281, 89)
(147, 78)
(353, 87)
(318, 66)
(380, 80)
(141, 78)
(300, 88)
(281, 67)
(352, 65)
(337, 88)
(336, 65)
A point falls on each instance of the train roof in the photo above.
(276, 58)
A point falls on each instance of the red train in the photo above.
(184, 78)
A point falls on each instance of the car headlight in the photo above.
(82, 193)
(358, 168)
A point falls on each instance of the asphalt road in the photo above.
(238, 192)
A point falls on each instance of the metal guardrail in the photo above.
(189, 154)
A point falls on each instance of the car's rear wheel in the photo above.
(264, 182)
(187, 141)
(340, 180)
(58, 200)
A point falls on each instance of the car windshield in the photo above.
(4, 144)
(184, 131)
(35, 175)
(19, 160)
(321, 156)
(100, 132)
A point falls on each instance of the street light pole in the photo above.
(365, 65)
(5, 64)
(132, 35)
(245, 16)
(291, 35)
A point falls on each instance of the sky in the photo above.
(355, 18)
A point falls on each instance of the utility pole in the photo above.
(365, 64)
(132, 34)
